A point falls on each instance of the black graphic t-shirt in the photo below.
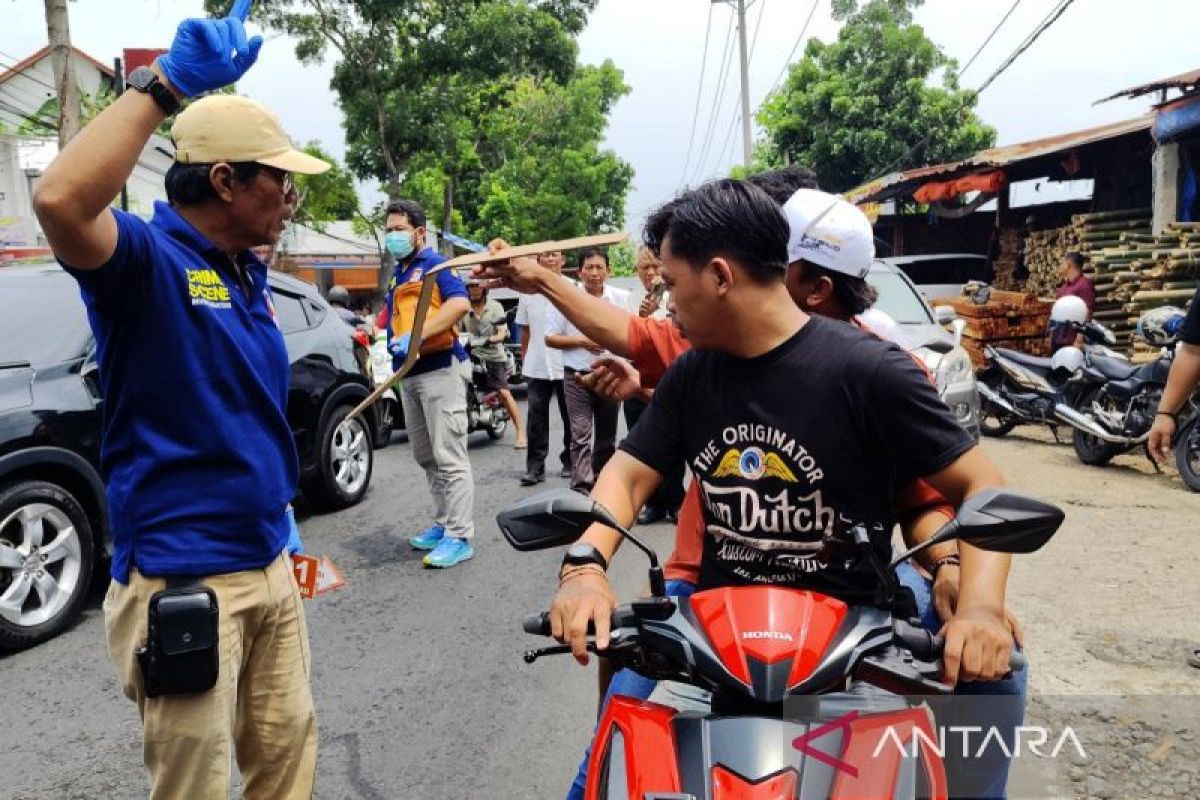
(794, 443)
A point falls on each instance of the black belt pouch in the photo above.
(181, 652)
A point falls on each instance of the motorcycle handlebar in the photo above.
(930, 647)
(538, 624)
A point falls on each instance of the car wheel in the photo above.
(345, 461)
(46, 562)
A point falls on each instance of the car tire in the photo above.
(344, 462)
(38, 518)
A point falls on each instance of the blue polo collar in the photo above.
(169, 220)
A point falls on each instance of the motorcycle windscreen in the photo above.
(768, 637)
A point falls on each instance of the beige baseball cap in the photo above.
(226, 127)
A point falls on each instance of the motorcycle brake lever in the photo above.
(617, 642)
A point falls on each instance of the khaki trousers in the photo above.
(435, 417)
(261, 709)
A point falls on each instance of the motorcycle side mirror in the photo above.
(997, 520)
(558, 517)
(944, 315)
(552, 518)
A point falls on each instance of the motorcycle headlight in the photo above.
(955, 367)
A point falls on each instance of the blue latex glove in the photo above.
(210, 54)
(294, 545)
(399, 347)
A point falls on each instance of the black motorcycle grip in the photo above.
(1016, 659)
(538, 624)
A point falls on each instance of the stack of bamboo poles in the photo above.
(1133, 271)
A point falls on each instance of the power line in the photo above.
(721, 154)
(788, 61)
(762, 6)
(687, 162)
(1049, 20)
(989, 38)
(24, 72)
(719, 96)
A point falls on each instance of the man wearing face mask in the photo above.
(433, 393)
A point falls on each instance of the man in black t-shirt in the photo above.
(790, 423)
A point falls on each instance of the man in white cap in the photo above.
(203, 617)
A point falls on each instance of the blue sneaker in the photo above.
(429, 538)
(450, 551)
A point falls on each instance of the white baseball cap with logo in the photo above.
(830, 232)
(230, 128)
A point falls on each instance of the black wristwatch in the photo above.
(145, 81)
(581, 554)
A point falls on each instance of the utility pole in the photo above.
(741, 8)
(119, 68)
(747, 144)
(58, 32)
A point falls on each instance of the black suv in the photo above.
(53, 519)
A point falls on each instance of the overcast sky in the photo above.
(1096, 48)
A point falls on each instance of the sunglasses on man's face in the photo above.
(284, 179)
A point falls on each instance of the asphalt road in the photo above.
(422, 693)
(418, 677)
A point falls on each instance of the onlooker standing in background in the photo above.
(433, 393)
(593, 419)
(649, 301)
(1079, 285)
(339, 298)
(543, 371)
(487, 326)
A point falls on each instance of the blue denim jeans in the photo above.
(983, 776)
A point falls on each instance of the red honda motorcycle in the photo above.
(811, 697)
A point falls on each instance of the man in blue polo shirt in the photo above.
(434, 392)
(197, 451)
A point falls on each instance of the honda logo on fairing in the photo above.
(776, 635)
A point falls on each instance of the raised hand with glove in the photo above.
(209, 54)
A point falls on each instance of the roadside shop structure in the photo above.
(1139, 228)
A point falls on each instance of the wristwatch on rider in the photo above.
(580, 554)
(145, 81)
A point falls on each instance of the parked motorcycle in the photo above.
(391, 414)
(806, 689)
(1020, 389)
(1121, 401)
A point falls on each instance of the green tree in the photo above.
(427, 89)
(868, 102)
(327, 197)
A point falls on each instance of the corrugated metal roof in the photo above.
(899, 183)
(1183, 80)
